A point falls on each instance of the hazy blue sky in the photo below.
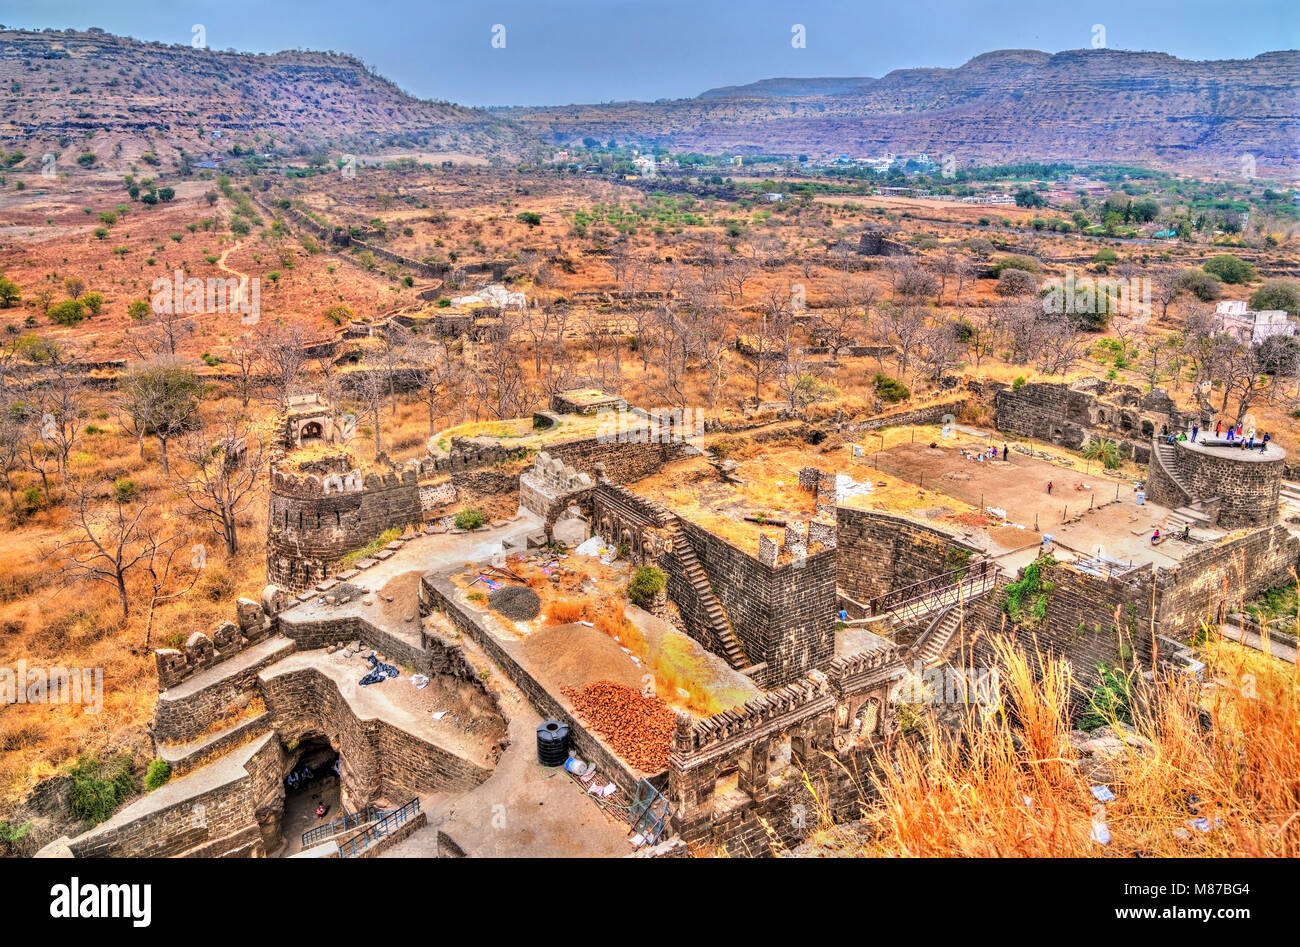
(562, 51)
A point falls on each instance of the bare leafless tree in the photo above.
(114, 539)
(223, 470)
(940, 350)
(284, 357)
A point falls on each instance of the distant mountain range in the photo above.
(155, 97)
(1083, 106)
(121, 98)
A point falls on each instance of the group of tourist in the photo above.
(1245, 440)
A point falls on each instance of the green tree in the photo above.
(9, 292)
(1277, 294)
(69, 312)
(1231, 269)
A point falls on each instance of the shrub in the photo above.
(124, 490)
(891, 389)
(157, 774)
(647, 583)
(93, 301)
(99, 786)
(1110, 701)
(1025, 600)
(1018, 383)
(1200, 284)
(1015, 261)
(1229, 268)
(1277, 294)
(67, 313)
(470, 519)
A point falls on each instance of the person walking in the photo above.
(1250, 441)
(1004, 451)
(1218, 429)
(1049, 488)
(1196, 429)
(1263, 442)
(1230, 435)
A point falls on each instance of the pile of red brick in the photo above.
(639, 729)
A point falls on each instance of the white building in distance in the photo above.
(1250, 325)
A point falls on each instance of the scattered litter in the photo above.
(420, 682)
(439, 714)
(603, 791)
(1203, 824)
(846, 486)
(1028, 801)
(1102, 793)
(1100, 830)
(379, 671)
(637, 840)
(594, 546)
(587, 623)
(575, 766)
(996, 511)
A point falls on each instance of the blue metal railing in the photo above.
(385, 826)
(350, 820)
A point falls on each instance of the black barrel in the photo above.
(553, 743)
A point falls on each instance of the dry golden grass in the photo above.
(1004, 788)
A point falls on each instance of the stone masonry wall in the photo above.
(233, 808)
(783, 615)
(878, 552)
(1247, 488)
(310, 527)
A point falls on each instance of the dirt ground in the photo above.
(1018, 485)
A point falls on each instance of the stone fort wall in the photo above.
(1070, 414)
(1247, 484)
(313, 523)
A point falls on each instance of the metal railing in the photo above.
(947, 580)
(904, 613)
(358, 843)
(350, 820)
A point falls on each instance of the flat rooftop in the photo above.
(1219, 447)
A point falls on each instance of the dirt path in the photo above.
(243, 277)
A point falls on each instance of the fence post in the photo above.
(1065, 513)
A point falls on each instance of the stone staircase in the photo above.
(1164, 454)
(1186, 516)
(732, 650)
(930, 647)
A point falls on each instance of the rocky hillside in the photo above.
(1080, 105)
(119, 97)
